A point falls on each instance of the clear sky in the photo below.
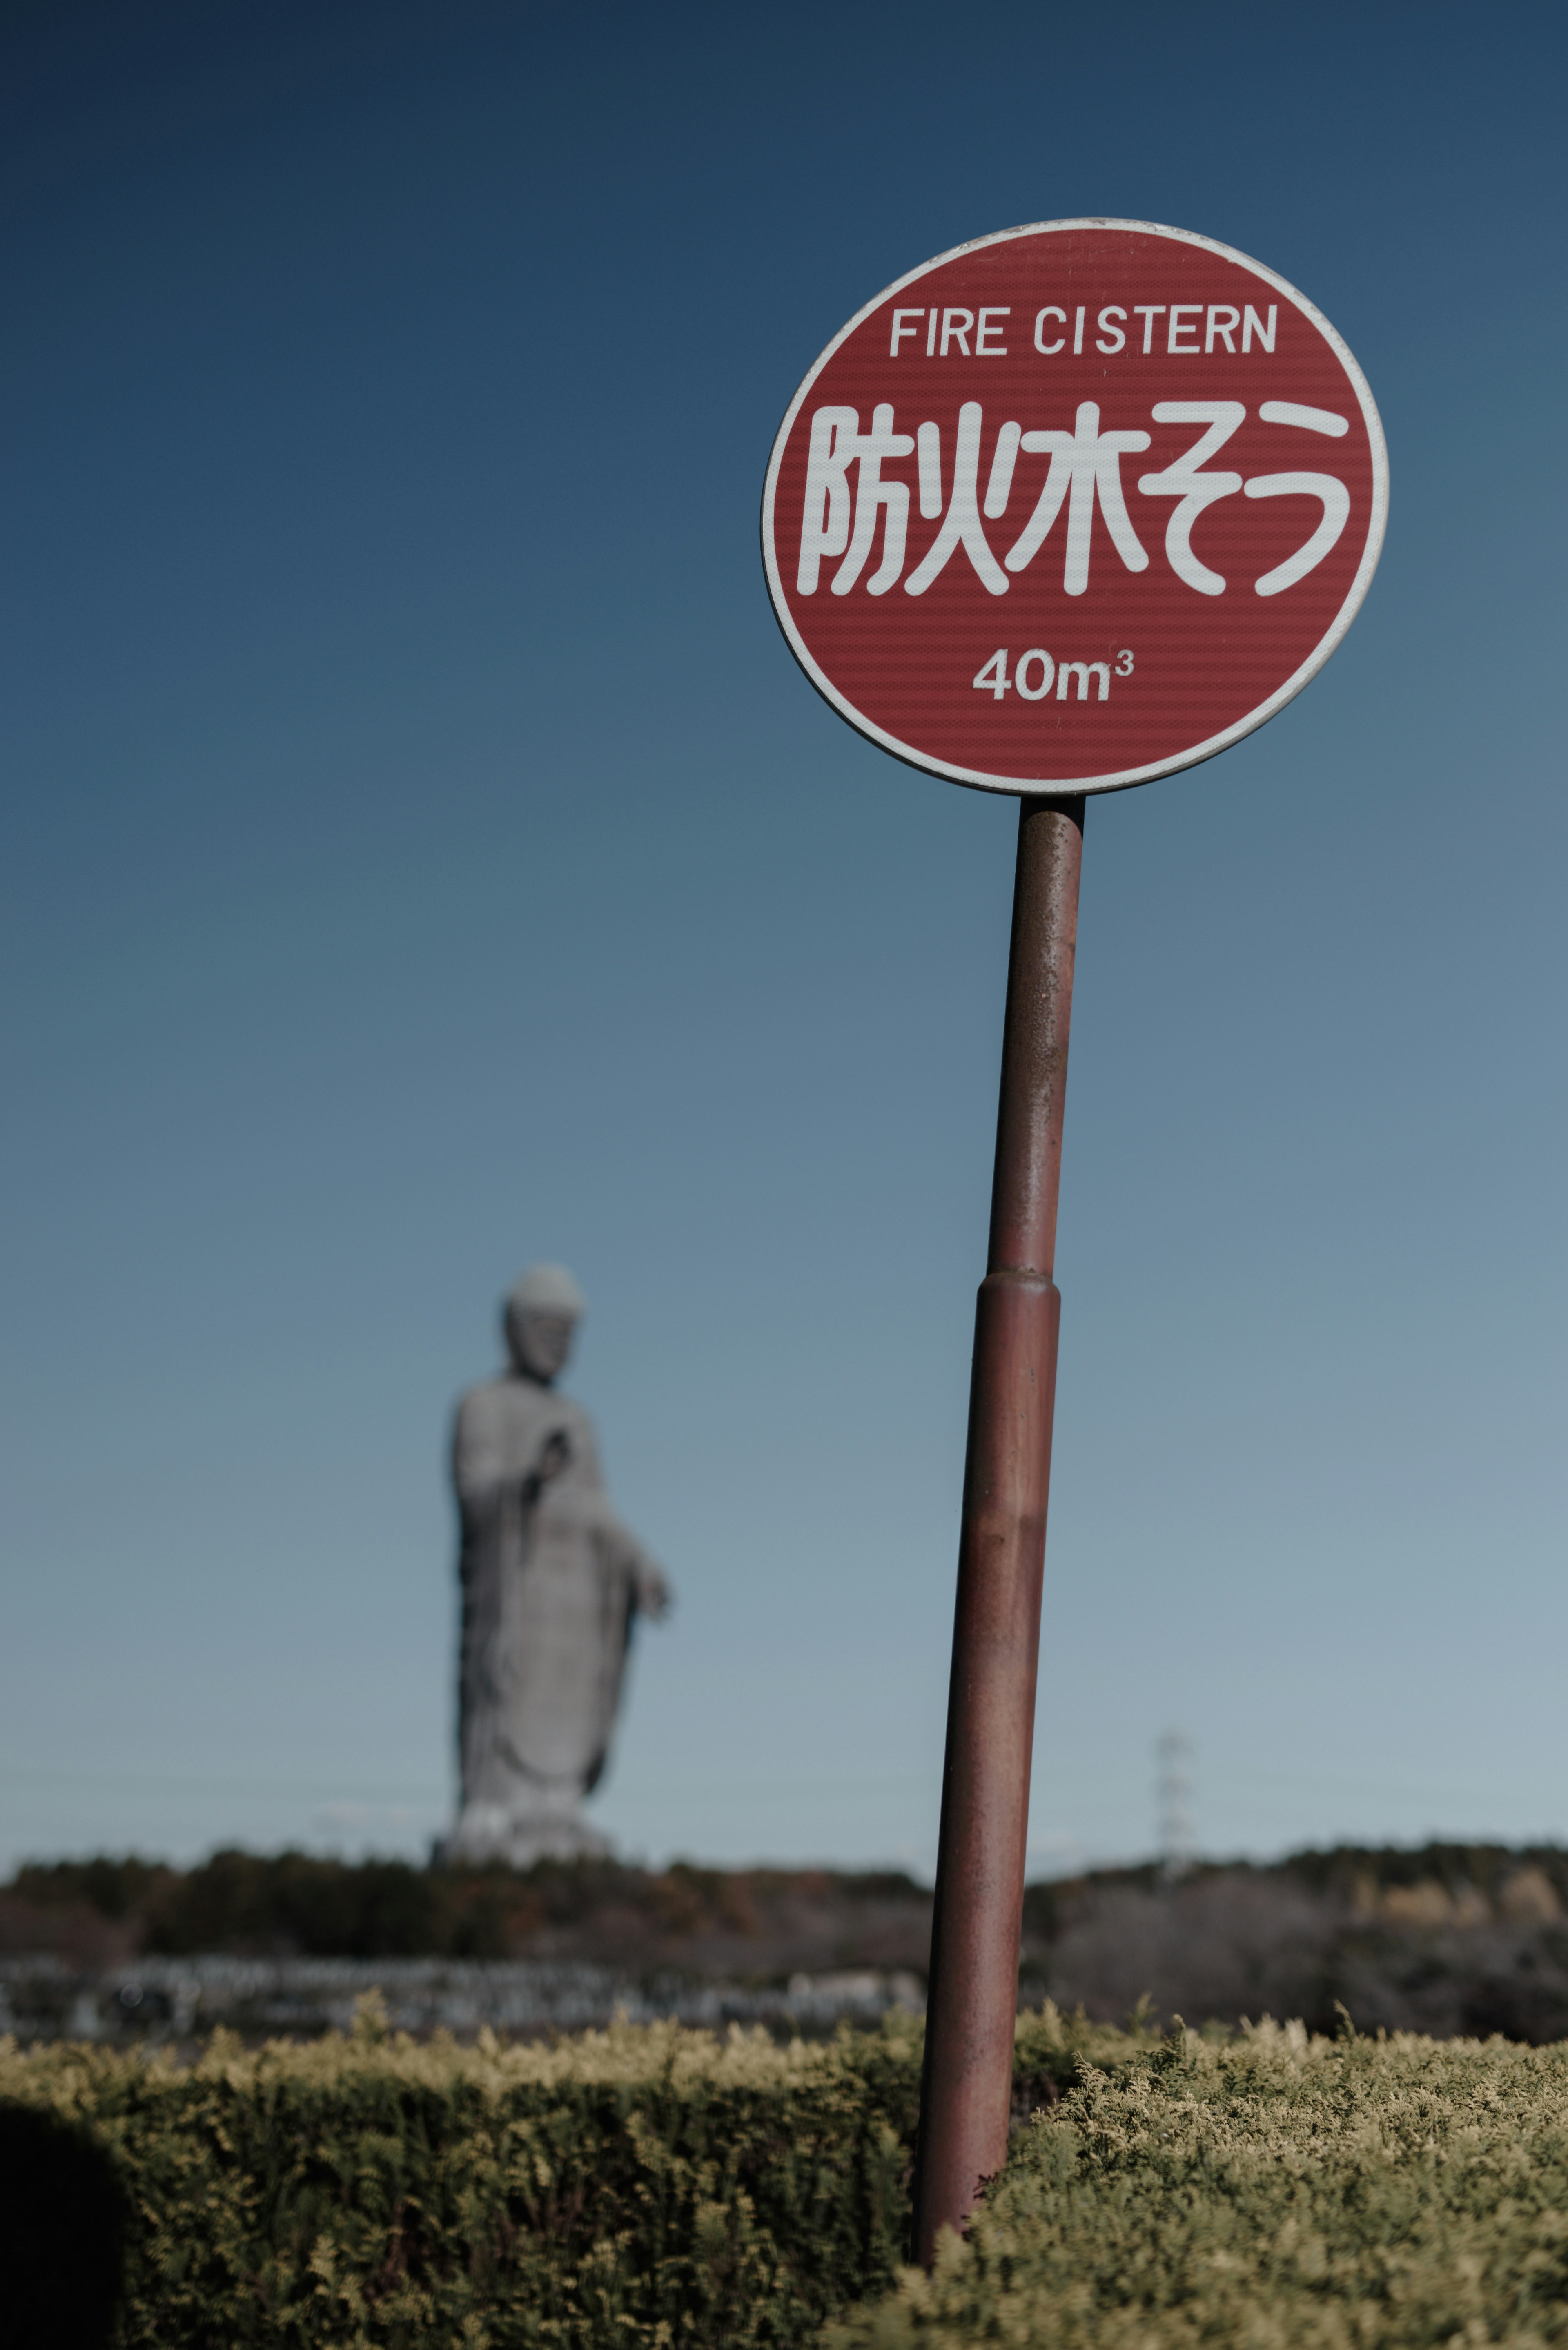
(421, 855)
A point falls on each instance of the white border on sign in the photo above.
(1200, 752)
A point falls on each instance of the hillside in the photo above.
(1447, 1938)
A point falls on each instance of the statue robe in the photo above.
(551, 1583)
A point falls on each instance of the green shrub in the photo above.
(661, 2186)
(642, 2185)
(1346, 2195)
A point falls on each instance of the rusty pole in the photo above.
(967, 2090)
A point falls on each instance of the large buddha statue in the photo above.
(552, 1585)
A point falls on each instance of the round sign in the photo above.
(1074, 507)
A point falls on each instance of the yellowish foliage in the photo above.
(640, 2185)
(1276, 2192)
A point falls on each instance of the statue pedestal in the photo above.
(549, 1830)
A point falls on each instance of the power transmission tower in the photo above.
(1178, 1837)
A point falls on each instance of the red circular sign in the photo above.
(1074, 507)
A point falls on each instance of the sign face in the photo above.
(1074, 507)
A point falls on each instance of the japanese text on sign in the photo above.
(1084, 467)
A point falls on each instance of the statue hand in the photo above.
(553, 1455)
(653, 1594)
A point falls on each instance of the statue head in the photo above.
(540, 1317)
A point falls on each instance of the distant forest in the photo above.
(1448, 1939)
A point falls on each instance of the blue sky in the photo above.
(421, 854)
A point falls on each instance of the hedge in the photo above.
(650, 2184)
(641, 2185)
(1357, 2194)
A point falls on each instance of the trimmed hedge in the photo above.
(661, 2186)
(1276, 2192)
(641, 2185)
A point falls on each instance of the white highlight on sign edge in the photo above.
(1318, 419)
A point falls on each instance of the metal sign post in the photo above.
(1068, 509)
(967, 2090)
